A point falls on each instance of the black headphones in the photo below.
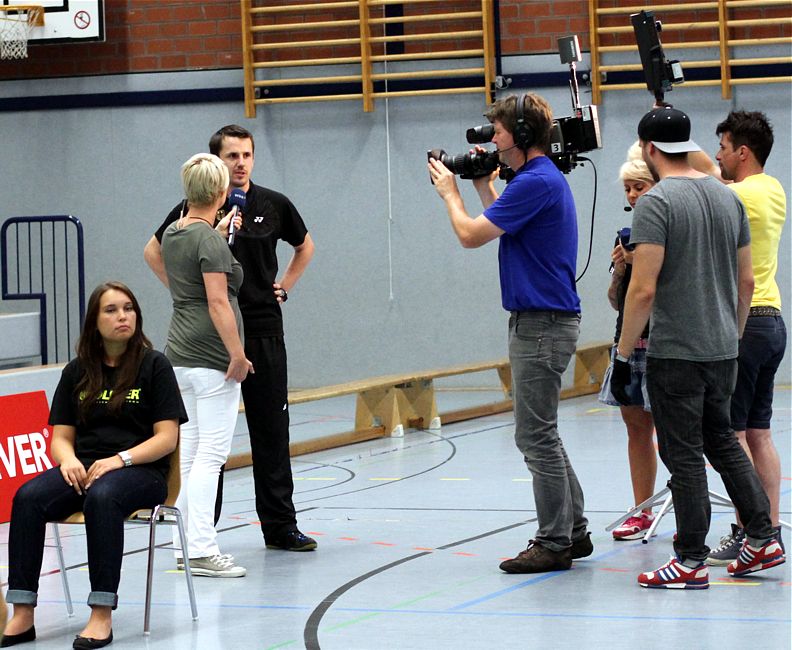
(523, 134)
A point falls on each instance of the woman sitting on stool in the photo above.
(115, 417)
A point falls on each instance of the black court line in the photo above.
(438, 438)
(351, 477)
(311, 630)
(386, 483)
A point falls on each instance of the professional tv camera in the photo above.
(661, 74)
(571, 135)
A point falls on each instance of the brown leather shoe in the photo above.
(538, 559)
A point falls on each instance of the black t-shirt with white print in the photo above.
(154, 397)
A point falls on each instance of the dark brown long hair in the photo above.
(90, 352)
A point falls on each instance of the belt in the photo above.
(764, 311)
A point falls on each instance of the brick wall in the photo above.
(144, 36)
(160, 35)
(166, 35)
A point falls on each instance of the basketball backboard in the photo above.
(66, 21)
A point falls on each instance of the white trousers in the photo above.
(212, 404)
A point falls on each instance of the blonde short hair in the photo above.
(635, 168)
(205, 178)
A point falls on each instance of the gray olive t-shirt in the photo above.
(700, 223)
(188, 253)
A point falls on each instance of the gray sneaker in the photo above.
(729, 548)
(216, 566)
(778, 538)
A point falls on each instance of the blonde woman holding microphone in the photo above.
(205, 346)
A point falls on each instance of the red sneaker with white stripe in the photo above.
(751, 560)
(675, 575)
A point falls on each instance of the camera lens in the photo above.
(467, 165)
(480, 134)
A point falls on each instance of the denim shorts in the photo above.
(636, 390)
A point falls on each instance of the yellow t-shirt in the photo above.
(765, 203)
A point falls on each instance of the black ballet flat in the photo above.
(23, 637)
(86, 642)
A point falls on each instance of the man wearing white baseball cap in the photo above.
(692, 273)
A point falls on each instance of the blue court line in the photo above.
(508, 590)
(451, 612)
(546, 576)
(614, 617)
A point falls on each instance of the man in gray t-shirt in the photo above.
(699, 227)
(692, 274)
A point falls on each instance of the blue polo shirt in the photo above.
(538, 250)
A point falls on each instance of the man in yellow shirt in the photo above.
(746, 139)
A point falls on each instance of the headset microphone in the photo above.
(514, 146)
(236, 200)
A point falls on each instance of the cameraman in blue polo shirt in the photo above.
(536, 222)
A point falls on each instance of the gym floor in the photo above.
(411, 531)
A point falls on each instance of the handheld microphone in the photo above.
(236, 200)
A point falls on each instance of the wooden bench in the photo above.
(389, 404)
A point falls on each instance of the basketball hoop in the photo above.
(16, 21)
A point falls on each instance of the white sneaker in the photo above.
(216, 566)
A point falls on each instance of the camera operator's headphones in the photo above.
(523, 134)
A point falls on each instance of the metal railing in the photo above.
(37, 262)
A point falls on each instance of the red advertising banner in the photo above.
(24, 443)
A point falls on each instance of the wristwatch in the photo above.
(619, 357)
(126, 457)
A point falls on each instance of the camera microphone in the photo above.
(236, 200)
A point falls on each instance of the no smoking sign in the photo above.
(82, 19)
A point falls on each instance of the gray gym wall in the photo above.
(390, 289)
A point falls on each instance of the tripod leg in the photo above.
(667, 505)
(651, 502)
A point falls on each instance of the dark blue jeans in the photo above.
(47, 498)
(690, 406)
